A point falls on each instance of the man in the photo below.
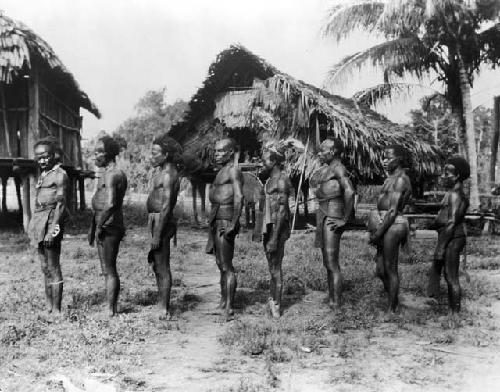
(450, 224)
(388, 228)
(335, 194)
(107, 223)
(226, 197)
(47, 223)
(162, 198)
(276, 223)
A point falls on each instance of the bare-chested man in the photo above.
(47, 223)
(388, 228)
(450, 224)
(162, 224)
(335, 194)
(107, 224)
(226, 197)
(276, 223)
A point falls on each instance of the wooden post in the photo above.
(34, 113)
(5, 119)
(26, 201)
(81, 188)
(494, 139)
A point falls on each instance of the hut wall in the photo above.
(14, 119)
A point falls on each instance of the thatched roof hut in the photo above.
(249, 99)
(39, 97)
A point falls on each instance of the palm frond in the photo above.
(390, 54)
(342, 20)
(402, 17)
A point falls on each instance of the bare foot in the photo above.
(275, 311)
(229, 314)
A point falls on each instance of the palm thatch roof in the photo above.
(20, 48)
(243, 90)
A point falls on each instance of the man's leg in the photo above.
(161, 268)
(46, 277)
(392, 240)
(451, 274)
(108, 251)
(226, 261)
(331, 248)
(56, 279)
(434, 278)
(220, 265)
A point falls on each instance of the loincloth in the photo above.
(219, 220)
(376, 217)
(329, 211)
(39, 225)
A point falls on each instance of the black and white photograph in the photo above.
(249, 196)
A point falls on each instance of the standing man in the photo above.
(107, 224)
(47, 223)
(450, 224)
(388, 227)
(335, 194)
(276, 225)
(226, 197)
(165, 153)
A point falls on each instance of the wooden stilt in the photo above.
(81, 188)
(4, 193)
(26, 201)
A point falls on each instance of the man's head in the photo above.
(165, 149)
(273, 153)
(58, 152)
(106, 151)
(45, 153)
(456, 169)
(396, 156)
(329, 150)
(224, 151)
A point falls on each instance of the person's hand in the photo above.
(155, 243)
(439, 255)
(48, 241)
(337, 224)
(229, 233)
(99, 233)
(374, 239)
(272, 245)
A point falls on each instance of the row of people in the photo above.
(335, 193)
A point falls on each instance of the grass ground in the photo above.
(357, 348)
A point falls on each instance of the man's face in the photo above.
(267, 160)
(100, 156)
(157, 156)
(44, 157)
(390, 161)
(325, 153)
(223, 152)
(449, 177)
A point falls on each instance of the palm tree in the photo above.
(450, 38)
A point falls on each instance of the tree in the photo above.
(135, 135)
(450, 38)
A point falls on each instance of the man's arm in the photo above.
(61, 182)
(110, 181)
(396, 198)
(237, 182)
(349, 193)
(168, 184)
(446, 235)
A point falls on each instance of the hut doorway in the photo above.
(249, 145)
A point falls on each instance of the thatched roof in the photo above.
(20, 47)
(243, 90)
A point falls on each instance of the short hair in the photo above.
(231, 143)
(47, 141)
(276, 149)
(461, 165)
(403, 154)
(169, 145)
(57, 147)
(111, 146)
(333, 144)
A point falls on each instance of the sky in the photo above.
(120, 49)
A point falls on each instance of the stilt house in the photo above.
(38, 97)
